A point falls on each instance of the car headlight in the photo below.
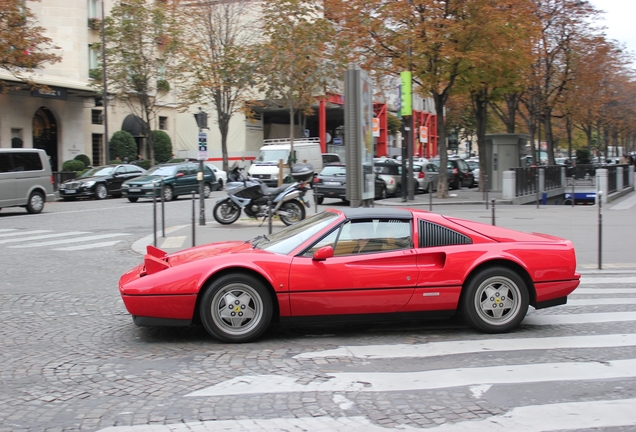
(88, 184)
(125, 186)
(148, 186)
(62, 186)
(274, 177)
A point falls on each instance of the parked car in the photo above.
(474, 165)
(427, 176)
(221, 176)
(99, 182)
(26, 179)
(390, 171)
(330, 158)
(331, 183)
(458, 173)
(366, 263)
(171, 180)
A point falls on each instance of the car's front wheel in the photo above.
(100, 191)
(495, 300)
(133, 199)
(168, 194)
(236, 308)
(207, 190)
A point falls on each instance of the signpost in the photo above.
(202, 123)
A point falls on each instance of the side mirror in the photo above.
(323, 253)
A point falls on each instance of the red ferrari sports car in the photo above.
(349, 264)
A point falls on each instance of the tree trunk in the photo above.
(442, 185)
(480, 110)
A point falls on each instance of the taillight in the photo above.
(317, 180)
(53, 180)
(420, 175)
(455, 170)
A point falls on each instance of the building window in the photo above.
(92, 57)
(94, 9)
(163, 123)
(97, 148)
(97, 117)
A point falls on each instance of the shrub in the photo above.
(73, 165)
(163, 86)
(176, 160)
(123, 145)
(143, 163)
(83, 158)
(583, 156)
(162, 145)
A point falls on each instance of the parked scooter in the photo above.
(257, 200)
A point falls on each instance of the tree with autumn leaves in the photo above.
(23, 46)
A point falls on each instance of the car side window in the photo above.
(183, 169)
(120, 170)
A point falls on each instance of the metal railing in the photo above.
(611, 178)
(526, 181)
(552, 177)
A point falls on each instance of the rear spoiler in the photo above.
(155, 260)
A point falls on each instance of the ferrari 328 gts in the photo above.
(346, 264)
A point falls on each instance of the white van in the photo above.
(265, 167)
(26, 179)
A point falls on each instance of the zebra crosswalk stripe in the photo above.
(72, 240)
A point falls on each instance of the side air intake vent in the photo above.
(436, 235)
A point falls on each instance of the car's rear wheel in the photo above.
(100, 191)
(207, 190)
(220, 185)
(291, 212)
(133, 199)
(35, 203)
(168, 194)
(236, 308)
(383, 194)
(495, 300)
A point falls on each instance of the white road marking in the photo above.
(426, 380)
(479, 390)
(603, 301)
(579, 318)
(73, 240)
(88, 246)
(434, 349)
(342, 402)
(23, 233)
(16, 232)
(586, 291)
(608, 280)
(42, 237)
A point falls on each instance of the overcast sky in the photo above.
(619, 20)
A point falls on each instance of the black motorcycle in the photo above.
(258, 200)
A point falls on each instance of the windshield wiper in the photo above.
(256, 239)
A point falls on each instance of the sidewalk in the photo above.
(578, 224)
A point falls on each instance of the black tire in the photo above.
(35, 203)
(291, 212)
(69, 198)
(168, 194)
(100, 191)
(133, 199)
(236, 308)
(207, 190)
(383, 193)
(495, 300)
(226, 212)
(319, 199)
(220, 185)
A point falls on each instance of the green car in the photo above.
(171, 180)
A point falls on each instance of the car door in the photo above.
(185, 181)
(119, 176)
(373, 270)
(8, 188)
(432, 174)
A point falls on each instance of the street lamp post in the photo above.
(105, 92)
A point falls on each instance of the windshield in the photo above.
(162, 170)
(333, 171)
(272, 156)
(101, 171)
(288, 239)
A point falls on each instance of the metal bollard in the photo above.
(536, 180)
(600, 230)
(430, 196)
(493, 212)
(154, 213)
(163, 212)
(193, 221)
(269, 213)
(573, 182)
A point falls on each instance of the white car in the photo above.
(221, 176)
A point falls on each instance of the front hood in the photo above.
(86, 179)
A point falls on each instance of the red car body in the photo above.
(427, 274)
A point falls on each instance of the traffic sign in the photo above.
(423, 134)
(203, 146)
(376, 127)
